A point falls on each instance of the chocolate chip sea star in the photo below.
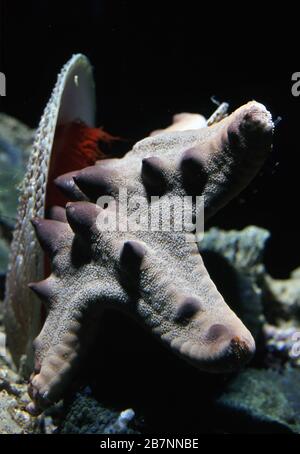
(158, 277)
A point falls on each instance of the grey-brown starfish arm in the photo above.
(216, 162)
(141, 267)
(236, 150)
(132, 272)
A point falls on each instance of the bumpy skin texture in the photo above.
(157, 277)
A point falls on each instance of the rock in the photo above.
(282, 344)
(234, 261)
(15, 140)
(262, 401)
(243, 249)
(85, 415)
(283, 298)
(13, 417)
(15, 143)
(282, 310)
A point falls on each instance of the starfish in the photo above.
(156, 276)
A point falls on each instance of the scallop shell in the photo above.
(73, 98)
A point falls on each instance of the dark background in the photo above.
(151, 63)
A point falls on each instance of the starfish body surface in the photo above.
(156, 276)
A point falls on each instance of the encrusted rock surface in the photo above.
(282, 343)
(13, 398)
(14, 419)
(15, 142)
(284, 297)
(262, 401)
(85, 415)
